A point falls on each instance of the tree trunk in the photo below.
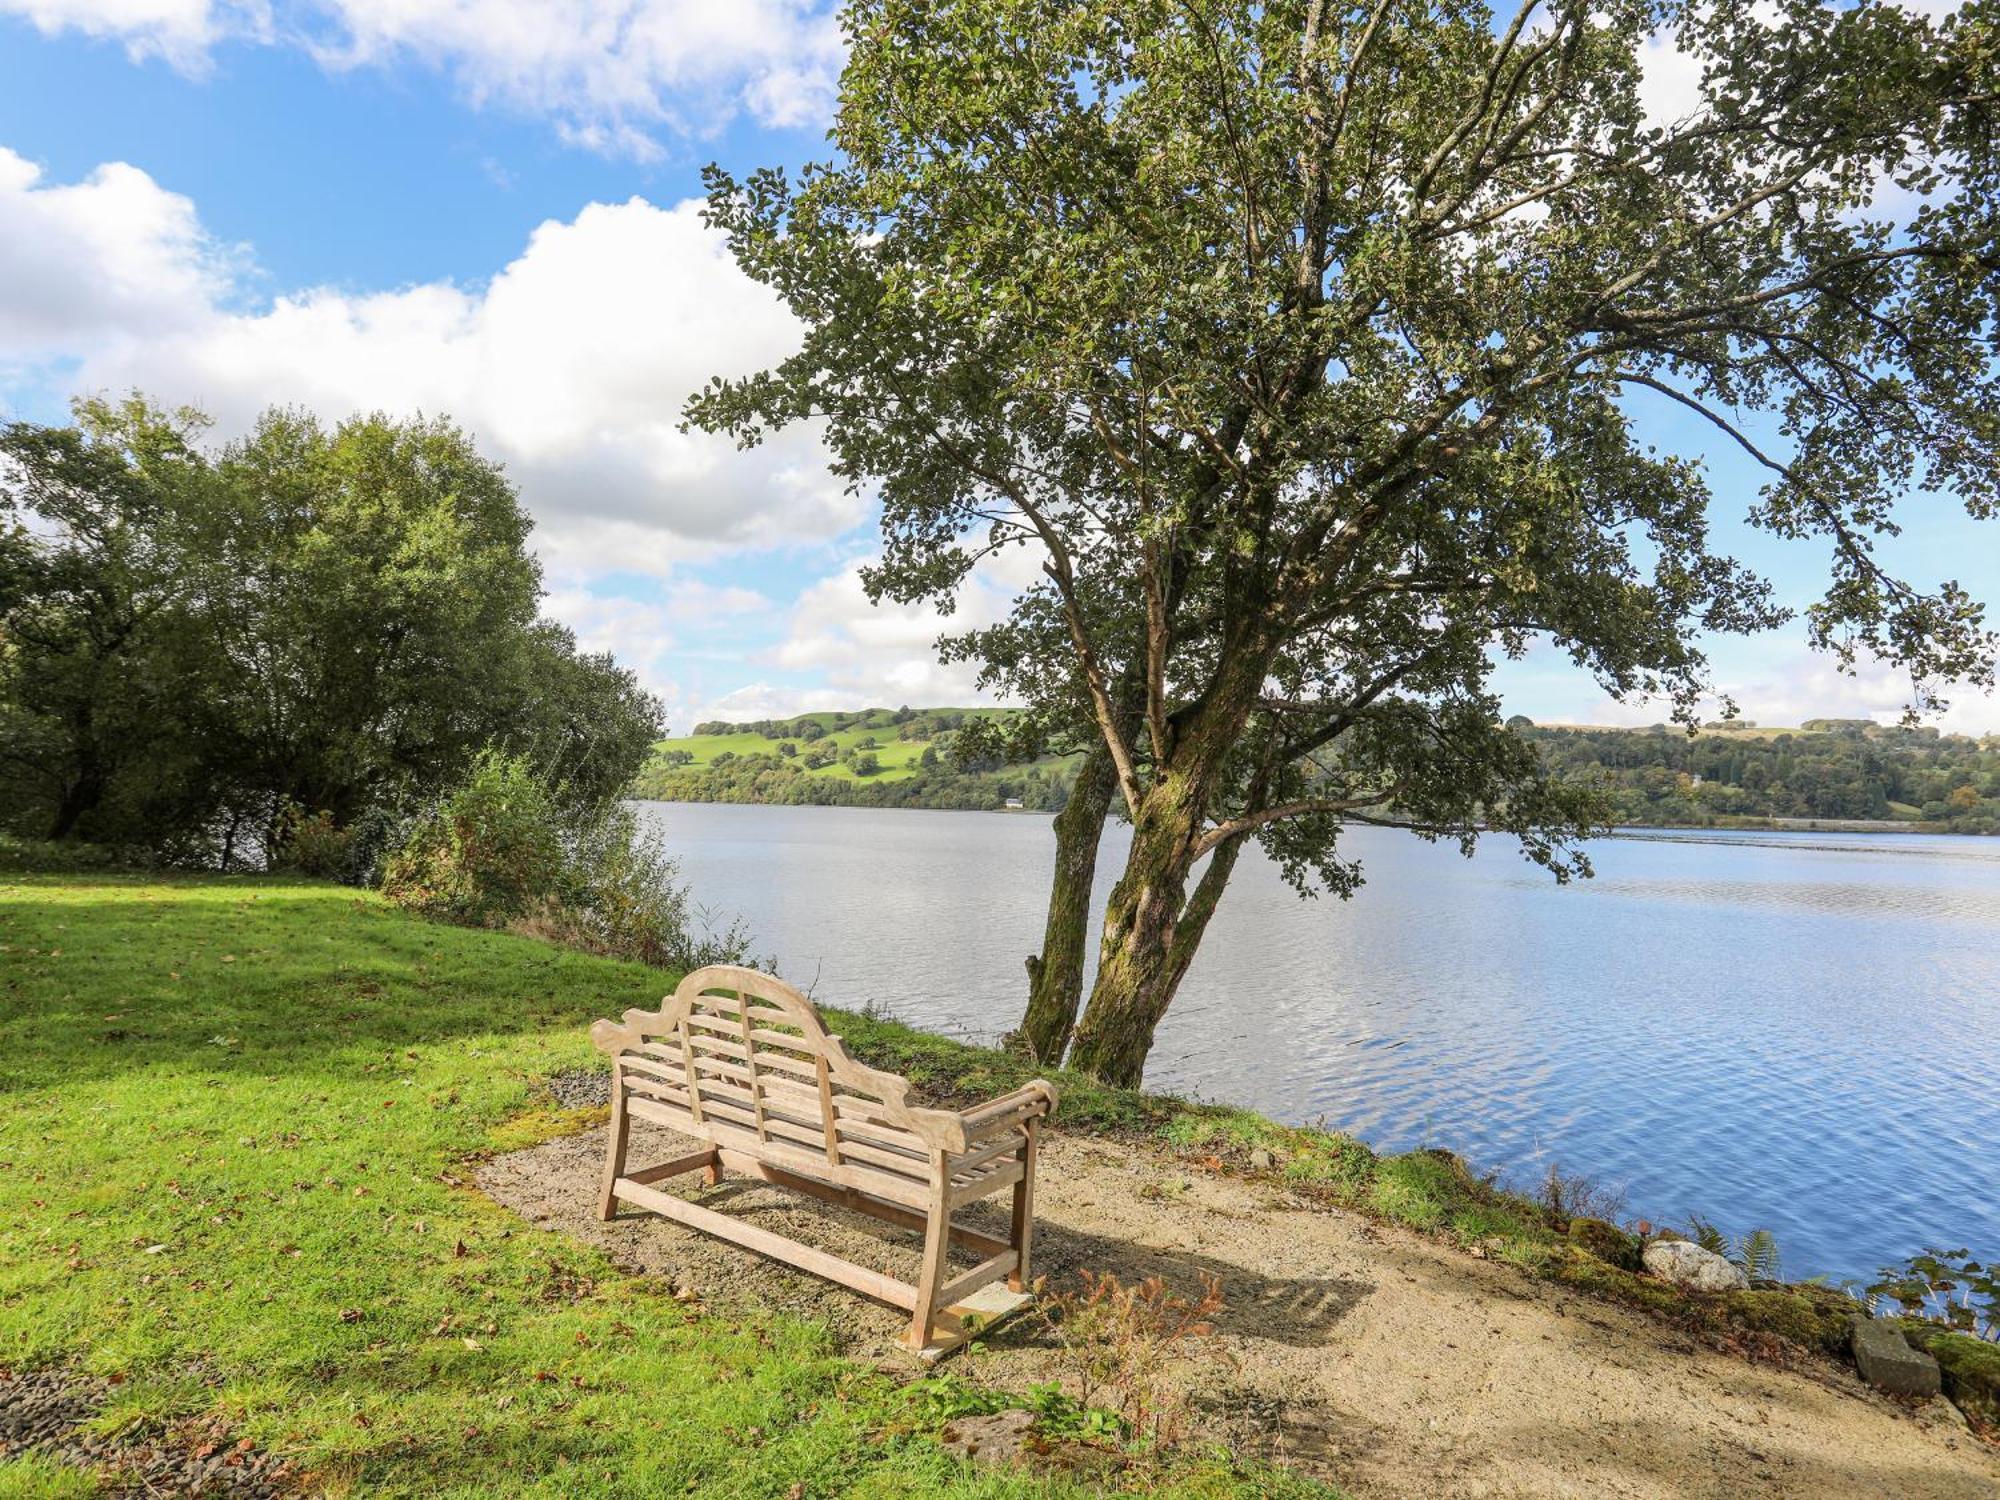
(79, 797)
(1055, 975)
(1200, 907)
(1136, 971)
(1151, 927)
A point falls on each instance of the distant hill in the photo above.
(1729, 774)
(876, 757)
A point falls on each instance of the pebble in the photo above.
(580, 1088)
(43, 1411)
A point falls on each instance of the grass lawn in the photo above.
(234, 1116)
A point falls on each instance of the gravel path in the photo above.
(1347, 1348)
(43, 1411)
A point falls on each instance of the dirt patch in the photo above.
(1346, 1348)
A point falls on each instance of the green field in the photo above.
(237, 1122)
(899, 757)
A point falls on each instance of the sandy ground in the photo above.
(1372, 1356)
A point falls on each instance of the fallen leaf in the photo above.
(350, 1315)
(155, 1249)
(472, 1343)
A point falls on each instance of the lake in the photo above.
(1795, 1031)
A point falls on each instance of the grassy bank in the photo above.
(234, 1117)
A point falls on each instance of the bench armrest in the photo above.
(1028, 1102)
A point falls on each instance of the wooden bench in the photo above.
(742, 1061)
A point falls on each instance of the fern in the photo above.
(1707, 1235)
(1757, 1254)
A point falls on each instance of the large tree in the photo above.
(98, 639)
(1305, 343)
(195, 643)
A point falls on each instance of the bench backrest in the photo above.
(734, 1052)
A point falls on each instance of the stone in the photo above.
(1686, 1264)
(999, 1440)
(1887, 1361)
(1970, 1367)
(1262, 1160)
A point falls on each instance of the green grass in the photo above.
(235, 1117)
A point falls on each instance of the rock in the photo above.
(1262, 1160)
(1970, 1367)
(1687, 1264)
(1887, 1361)
(999, 1440)
(1606, 1241)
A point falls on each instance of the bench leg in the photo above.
(937, 1240)
(614, 1154)
(1023, 1232)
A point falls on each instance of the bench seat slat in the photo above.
(869, 1179)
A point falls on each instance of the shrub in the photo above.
(490, 852)
(505, 850)
(1120, 1342)
(311, 844)
(625, 900)
(1572, 1195)
(44, 857)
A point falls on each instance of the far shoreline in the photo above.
(1616, 830)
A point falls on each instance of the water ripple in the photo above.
(1798, 1031)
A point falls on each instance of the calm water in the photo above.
(1792, 1030)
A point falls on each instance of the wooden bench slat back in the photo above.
(749, 1052)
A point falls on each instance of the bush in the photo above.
(313, 845)
(503, 850)
(625, 900)
(45, 857)
(490, 852)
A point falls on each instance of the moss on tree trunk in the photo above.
(1055, 975)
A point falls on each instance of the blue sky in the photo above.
(484, 208)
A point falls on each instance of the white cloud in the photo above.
(607, 72)
(570, 365)
(113, 256)
(1784, 683)
(183, 32)
(649, 635)
(875, 655)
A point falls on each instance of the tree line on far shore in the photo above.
(1657, 777)
(1851, 769)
